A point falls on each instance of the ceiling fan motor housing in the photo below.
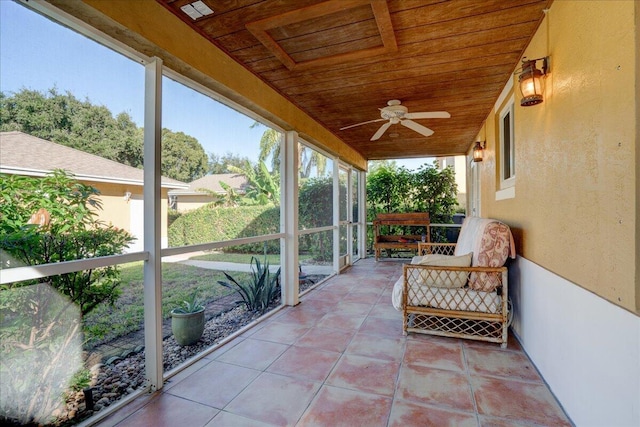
(392, 112)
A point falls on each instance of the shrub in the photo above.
(212, 223)
(261, 289)
(39, 328)
(316, 210)
(73, 233)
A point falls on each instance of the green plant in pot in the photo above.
(187, 321)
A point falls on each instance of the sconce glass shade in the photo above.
(530, 84)
(478, 152)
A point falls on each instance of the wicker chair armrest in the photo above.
(436, 248)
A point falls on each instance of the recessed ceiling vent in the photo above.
(197, 9)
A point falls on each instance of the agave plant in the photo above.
(191, 305)
(261, 288)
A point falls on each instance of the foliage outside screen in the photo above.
(38, 327)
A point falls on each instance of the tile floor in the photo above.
(339, 359)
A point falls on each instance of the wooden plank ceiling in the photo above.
(342, 60)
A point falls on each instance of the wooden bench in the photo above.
(395, 241)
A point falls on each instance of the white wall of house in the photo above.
(586, 348)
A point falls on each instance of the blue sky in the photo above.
(38, 54)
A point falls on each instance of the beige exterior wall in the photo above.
(117, 211)
(575, 210)
(190, 202)
(190, 54)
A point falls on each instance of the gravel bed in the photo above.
(119, 377)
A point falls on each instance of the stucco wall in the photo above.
(117, 211)
(190, 202)
(575, 207)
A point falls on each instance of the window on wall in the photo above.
(507, 146)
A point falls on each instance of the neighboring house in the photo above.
(120, 185)
(204, 190)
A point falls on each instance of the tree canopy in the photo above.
(220, 164)
(396, 189)
(66, 120)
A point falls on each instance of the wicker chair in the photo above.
(459, 290)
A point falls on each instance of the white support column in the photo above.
(362, 214)
(289, 218)
(349, 216)
(152, 209)
(336, 215)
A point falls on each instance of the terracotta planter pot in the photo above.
(187, 327)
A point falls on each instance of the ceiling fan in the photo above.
(397, 113)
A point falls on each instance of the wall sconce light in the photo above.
(530, 81)
(127, 196)
(478, 151)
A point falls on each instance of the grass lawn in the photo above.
(179, 281)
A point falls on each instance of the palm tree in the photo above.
(270, 144)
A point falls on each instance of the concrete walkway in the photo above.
(185, 259)
(246, 268)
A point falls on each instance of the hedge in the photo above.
(213, 223)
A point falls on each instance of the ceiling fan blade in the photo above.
(380, 131)
(363, 123)
(428, 115)
(417, 127)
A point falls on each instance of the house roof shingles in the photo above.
(24, 154)
(237, 182)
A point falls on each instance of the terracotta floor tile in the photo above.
(303, 316)
(410, 414)
(435, 386)
(175, 379)
(306, 363)
(499, 362)
(254, 354)
(215, 385)
(361, 297)
(338, 407)
(365, 374)
(390, 328)
(442, 355)
(377, 347)
(386, 311)
(512, 344)
(326, 339)
(503, 422)
(226, 419)
(325, 295)
(517, 400)
(345, 322)
(281, 332)
(167, 410)
(317, 304)
(353, 308)
(274, 399)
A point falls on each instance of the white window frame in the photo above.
(507, 159)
